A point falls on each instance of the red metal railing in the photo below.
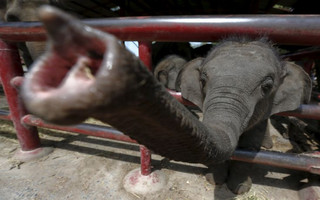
(284, 29)
(10, 67)
(145, 56)
(288, 29)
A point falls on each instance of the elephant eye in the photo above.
(267, 85)
(203, 81)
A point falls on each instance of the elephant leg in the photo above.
(257, 137)
(267, 140)
(217, 174)
(239, 182)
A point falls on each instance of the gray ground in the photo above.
(85, 167)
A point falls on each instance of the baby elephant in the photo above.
(167, 70)
(238, 85)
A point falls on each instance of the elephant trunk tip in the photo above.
(63, 81)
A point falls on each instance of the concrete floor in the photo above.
(85, 167)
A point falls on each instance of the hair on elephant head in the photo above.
(237, 86)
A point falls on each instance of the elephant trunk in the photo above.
(87, 73)
(224, 111)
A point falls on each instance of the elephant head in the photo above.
(242, 82)
(168, 69)
(90, 74)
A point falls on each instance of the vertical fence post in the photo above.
(145, 160)
(145, 56)
(10, 67)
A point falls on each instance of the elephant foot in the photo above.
(239, 186)
(239, 182)
(217, 174)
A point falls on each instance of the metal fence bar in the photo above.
(86, 129)
(145, 57)
(281, 29)
(10, 67)
(303, 162)
(310, 111)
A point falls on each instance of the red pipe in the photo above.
(145, 51)
(10, 67)
(145, 161)
(309, 111)
(303, 162)
(86, 129)
(145, 57)
(285, 29)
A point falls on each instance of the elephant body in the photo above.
(238, 85)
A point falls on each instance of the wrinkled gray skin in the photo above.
(237, 86)
(25, 11)
(168, 69)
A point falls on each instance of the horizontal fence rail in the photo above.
(309, 111)
(284, 29)
(303, 162)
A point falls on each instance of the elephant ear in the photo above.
(168, 69)
(189, 82)
(294, 91)
(162, 76)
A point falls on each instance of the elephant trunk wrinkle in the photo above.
(226, 111)
(227, 127)
(229, 104)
